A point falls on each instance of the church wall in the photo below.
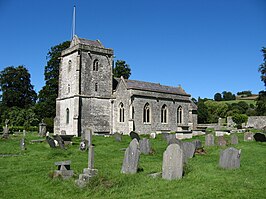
(95, 114)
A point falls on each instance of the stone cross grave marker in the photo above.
(145, 146)
(172, 162)
(234, 139)
(131, 158)
(134, 135)
(118, 137)
(221, 141)
(63, 170)
(209, 140)
(88, 136)
(230, 158)
(248, 136)
(188, 150)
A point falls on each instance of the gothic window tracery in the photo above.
(95, 65)
(121, 112)
(179, 115)
(147, 114)
(164, 114)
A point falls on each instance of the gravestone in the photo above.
(209, 140)
(88, 136)
(22, 144)
(188, 150)
(24, 132)
(172, 162)
(171, 139)
(164, 136)
(82, 146)
(42, 129)
(221, 141)
(87, 172)
(198, 144)
(234, 139)
(131, 158)
(118, 137)
(63, 170)
(145, 146)
(134, 135)
(60, 141)
(5, 132)
(259, 137)
(248, 136)
(230, 158)
(153, 135)
(50, 141)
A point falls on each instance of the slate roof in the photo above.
(148, 86)
(76, 40)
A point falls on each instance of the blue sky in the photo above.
(206, 46)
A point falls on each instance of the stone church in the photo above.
(90, 97)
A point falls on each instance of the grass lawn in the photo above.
(28, 175)
(240, 100)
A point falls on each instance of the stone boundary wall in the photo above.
(257, 122)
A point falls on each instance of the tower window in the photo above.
(95, 65)
(68, 88)
(67, 116)
(96, 87)
(164, 114)
(146, 113)
(179, 115)
(69, 65)
(121, 113)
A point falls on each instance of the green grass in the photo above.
(240, 100)
(29, 174)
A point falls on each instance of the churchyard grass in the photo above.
(29, 173)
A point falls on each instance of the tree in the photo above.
(244, 93)
(16, 87)
(239, 119)
(202, 111)
(218, 97)
(262, 68)
(121, 69)
(48, 94)
(228, 96)
(261, 103)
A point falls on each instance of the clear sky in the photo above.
(206, 46)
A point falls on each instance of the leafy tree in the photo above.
(48, 94)
(122, 69)
(262, 68)
(16, 87)
(228, 96)
(239, 119)
(218, 97)
(202, 112)
(216, 110)
(244, 93)
(261, 103)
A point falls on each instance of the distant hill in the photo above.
(252, 97)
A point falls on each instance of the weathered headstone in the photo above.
(164, 136)
(64, 170)
(230, 158)
(221, 141)
(209, 140)
(153, 135)
(60, 141)
(145, 146)
(42, 129)
(5, 132)
(172, 162)
(188, 150)
(134, 135)
(198, 144)
(234, 139)
(24, 132)
(248, 136)
(50, 141)
(118, 137)
(131, 158)
(259, 137)
(171, 139)
(22, 144)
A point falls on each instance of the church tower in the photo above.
(85, 88)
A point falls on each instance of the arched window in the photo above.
(67, 116)
(121, 113)
(179, 115)
(69, 65)
(164, 114)
(96, 87)
(68, 88)
(95, 65)
(147, 114)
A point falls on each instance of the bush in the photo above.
(239, 119)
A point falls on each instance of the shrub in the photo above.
(239, 119)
